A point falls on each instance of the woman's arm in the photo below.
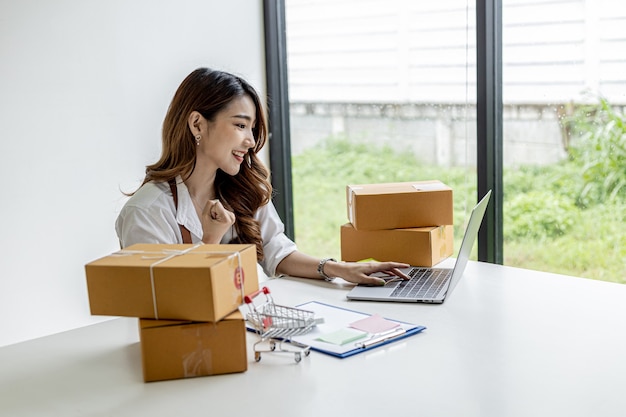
(298, 264)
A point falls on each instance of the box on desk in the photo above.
(181, 349)
(424, 246)
(187, 282)
(399, 205)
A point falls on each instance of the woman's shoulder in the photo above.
(149, 195)
(267, 214)
(148, 216)
(266, 209)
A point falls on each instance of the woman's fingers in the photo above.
(390, 268)
(218, 212)
(397, 272)
(214, 210)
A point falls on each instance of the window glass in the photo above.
(379, 92)
(564, 76)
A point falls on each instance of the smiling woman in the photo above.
(201, 190)
(214, 120)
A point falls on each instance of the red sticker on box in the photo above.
(239, 278)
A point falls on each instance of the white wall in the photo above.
(84, 87)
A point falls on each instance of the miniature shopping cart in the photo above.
(277, 324)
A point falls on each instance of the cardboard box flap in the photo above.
(151, 323)
(398, 187)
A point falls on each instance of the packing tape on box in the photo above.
(198, 362)
(167, 254)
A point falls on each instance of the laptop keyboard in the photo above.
(424, 283)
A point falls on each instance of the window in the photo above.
(379, 92)
(386, 91)
(564, 153)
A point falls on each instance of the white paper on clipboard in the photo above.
(337, 318)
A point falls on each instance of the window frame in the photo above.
(278, 111)
(489, 138)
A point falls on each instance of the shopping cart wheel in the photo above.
(272, 345)
(307, 353)
(257, 356)
(298, 357)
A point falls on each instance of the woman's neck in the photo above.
(201, 186)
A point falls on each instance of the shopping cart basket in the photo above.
(277, 324)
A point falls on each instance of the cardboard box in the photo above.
(186, 282)
(424, 246)
(178, 349)
(399, 205)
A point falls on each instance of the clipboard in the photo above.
(336, 318)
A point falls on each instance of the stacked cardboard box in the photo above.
(409, 222)
(183, 349)
(187, 299)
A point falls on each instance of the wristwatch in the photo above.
(320, 269)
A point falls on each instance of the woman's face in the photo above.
(226, 140)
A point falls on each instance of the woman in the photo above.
(209, 185)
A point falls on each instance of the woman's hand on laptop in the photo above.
(361, 272)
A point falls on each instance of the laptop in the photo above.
(427, 285)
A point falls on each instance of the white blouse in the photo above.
(149, 216)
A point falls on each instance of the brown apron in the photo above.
(183, 230)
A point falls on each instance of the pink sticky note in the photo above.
(374, 324)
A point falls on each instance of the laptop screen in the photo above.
(469, 238)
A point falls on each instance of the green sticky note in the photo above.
(342, 336)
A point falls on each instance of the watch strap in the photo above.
(320, 268)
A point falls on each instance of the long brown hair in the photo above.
(208, 92)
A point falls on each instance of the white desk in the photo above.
(509, 342)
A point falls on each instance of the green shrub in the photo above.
(544, 228)
(321, 173)
(537, 215)
(600, 151)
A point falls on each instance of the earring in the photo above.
(198, 137)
